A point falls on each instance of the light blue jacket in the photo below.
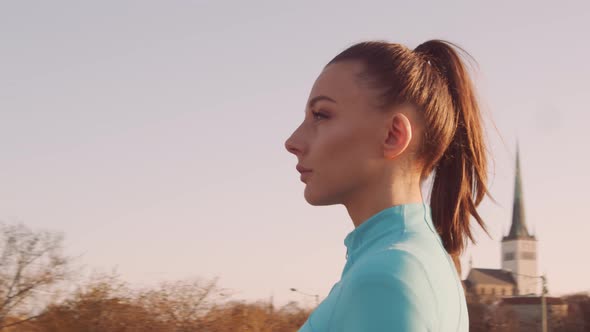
(397, 277)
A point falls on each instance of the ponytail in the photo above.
(434, 79)
(460, 180)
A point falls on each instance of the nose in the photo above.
(293, 144)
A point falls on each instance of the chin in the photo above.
(316, 199)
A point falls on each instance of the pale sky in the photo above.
(152, 133)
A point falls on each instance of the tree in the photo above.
(181, 305)
(31, 268)
(254, 317)
(102, 304)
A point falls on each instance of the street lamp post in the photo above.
(544, 304)
(317, 297)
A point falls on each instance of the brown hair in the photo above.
(434, 79)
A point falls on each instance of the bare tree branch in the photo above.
(31, 263)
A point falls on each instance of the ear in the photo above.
(399, 135)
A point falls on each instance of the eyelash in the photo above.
(319, 114)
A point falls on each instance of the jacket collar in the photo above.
(403, 217)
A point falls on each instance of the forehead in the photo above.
(340, 81)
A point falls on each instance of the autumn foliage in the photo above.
(38, 294)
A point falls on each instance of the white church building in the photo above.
(517, 285)
(518, 275)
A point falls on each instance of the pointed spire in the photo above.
(518, 228)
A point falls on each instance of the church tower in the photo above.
(519, 247)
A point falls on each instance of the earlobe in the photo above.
(399, 135)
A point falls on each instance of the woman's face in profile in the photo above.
(341, 137)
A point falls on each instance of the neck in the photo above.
(372, 199)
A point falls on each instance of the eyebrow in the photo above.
(315, 99)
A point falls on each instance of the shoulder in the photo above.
(396, 265)
(388, 290)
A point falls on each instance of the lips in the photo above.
(303, 177)
(304, 172)
(302, 169)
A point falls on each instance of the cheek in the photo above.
(344, 153)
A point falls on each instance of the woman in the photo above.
(379, 120)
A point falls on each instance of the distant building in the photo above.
(519, 247)
(515, 287)
(518, 275)
(490, 284)
(528, 310)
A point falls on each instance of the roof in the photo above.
(524, 300)
(490, 277)
(518, 229)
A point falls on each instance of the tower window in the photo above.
(509, 256)
(527, 255)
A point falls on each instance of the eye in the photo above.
(319, 115)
